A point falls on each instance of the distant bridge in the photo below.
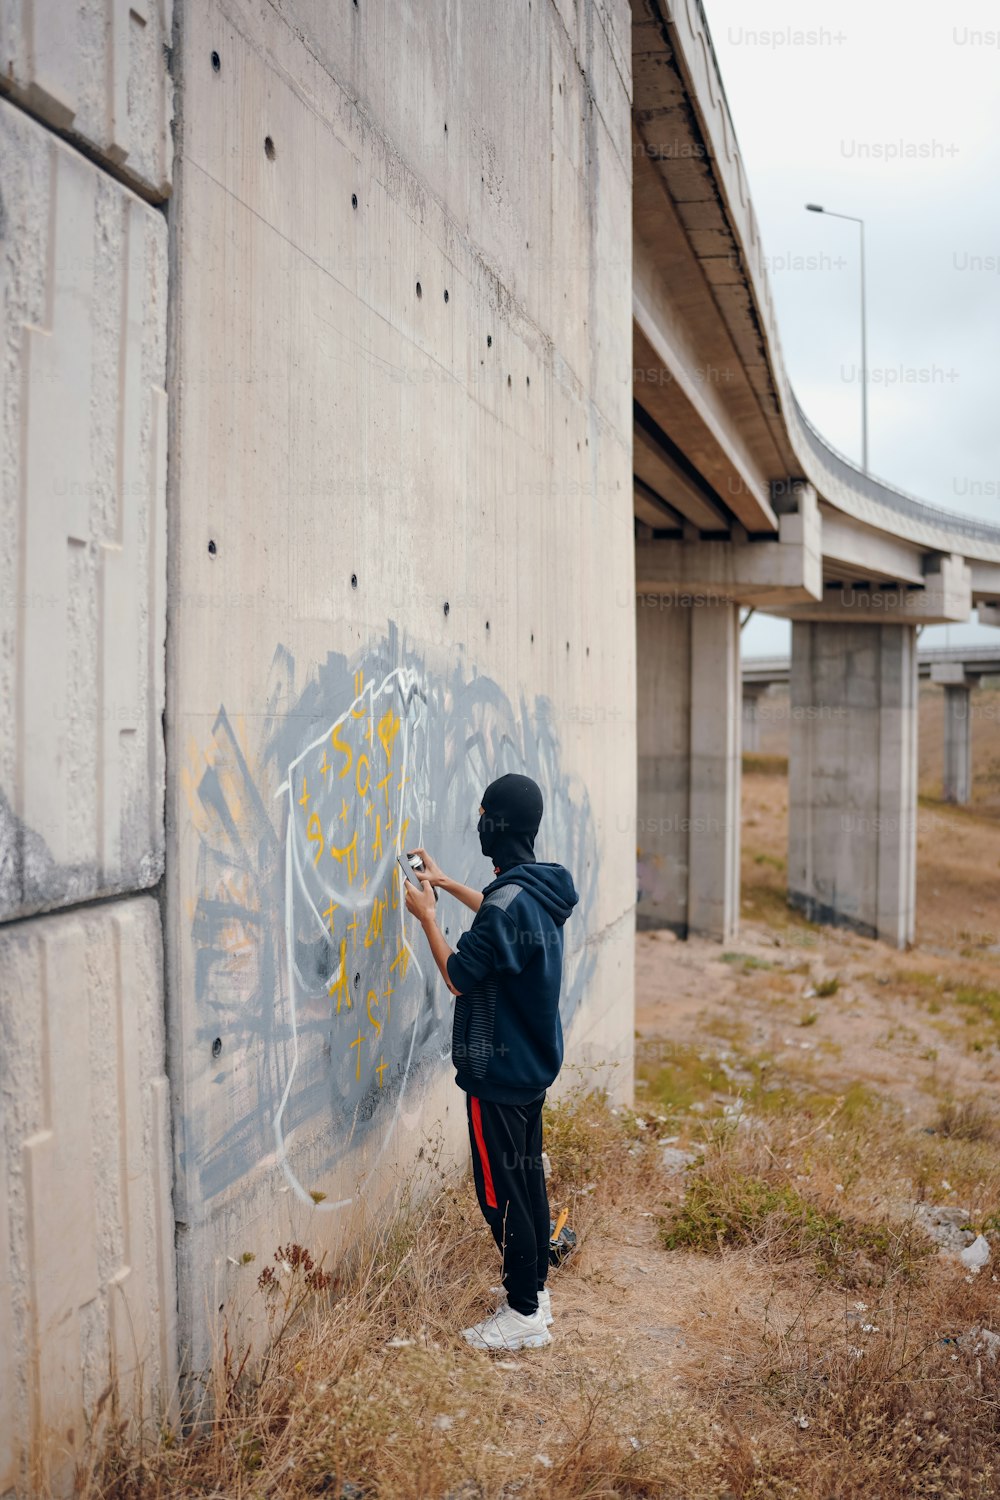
(958, 669)
(974, 661)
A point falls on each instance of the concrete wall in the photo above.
(402, 563)
(86, 1224)
(83, 567)
(95, 70)
(86, 1232)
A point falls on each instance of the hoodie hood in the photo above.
(512, 811)
(551, 886)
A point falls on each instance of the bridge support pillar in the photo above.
(957, 729)
(853, 777)
(689, 712)
(957, 743)
(753, 692)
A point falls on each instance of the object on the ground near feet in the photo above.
(977, 1255)
(507, 1329)
(562, 1240)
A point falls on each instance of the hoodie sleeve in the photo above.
(491, 946)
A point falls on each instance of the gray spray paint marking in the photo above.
(265, 960)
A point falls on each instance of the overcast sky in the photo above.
(890, 113)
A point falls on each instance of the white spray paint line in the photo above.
(408, 683)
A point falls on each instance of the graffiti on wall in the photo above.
(322, 1019)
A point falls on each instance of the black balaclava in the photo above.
(512, 811)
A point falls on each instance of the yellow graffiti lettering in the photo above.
(338, 986)
(325, 766)
(377, 841)
(387, 995)
(314, 833)
(362, 790)
(388, 728)
(403, 960)
(357, 1043)
(383, 786)
(328, 914)
(347, 856)
(352, 928)
(380, 1070)
(359, 687)
(304, 799)
(375, 1022)
(345, 750)
(375, 924)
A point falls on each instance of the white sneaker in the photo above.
(544, 1302)
(508, 1329)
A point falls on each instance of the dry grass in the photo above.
(370, 1391)
(849, 1372)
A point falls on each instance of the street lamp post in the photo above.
(817, 208)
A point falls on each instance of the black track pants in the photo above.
(506, 1144)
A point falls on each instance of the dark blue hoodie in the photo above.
(507, 1042)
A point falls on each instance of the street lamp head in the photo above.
(815, 208)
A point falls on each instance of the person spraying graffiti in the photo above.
(507, 1042)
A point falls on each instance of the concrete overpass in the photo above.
(398, 515)
(958, 669)
(740, 501)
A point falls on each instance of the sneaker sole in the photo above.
(533, 1341)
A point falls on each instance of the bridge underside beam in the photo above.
(944, 597)
(852, 550)
(769, 574)
(853, 777)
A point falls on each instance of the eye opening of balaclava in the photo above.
(512, 811)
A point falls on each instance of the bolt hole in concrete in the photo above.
(354, 200)
(446, 294)
(354, 580)
(487, 624)
(489, 341)
(269, 150)
(532, 637)
(420, 291)
(357, 980)
(212, 549)
(217, 1047)
(216, 62)
(527, 382)
(447, 607)
(508, 382)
